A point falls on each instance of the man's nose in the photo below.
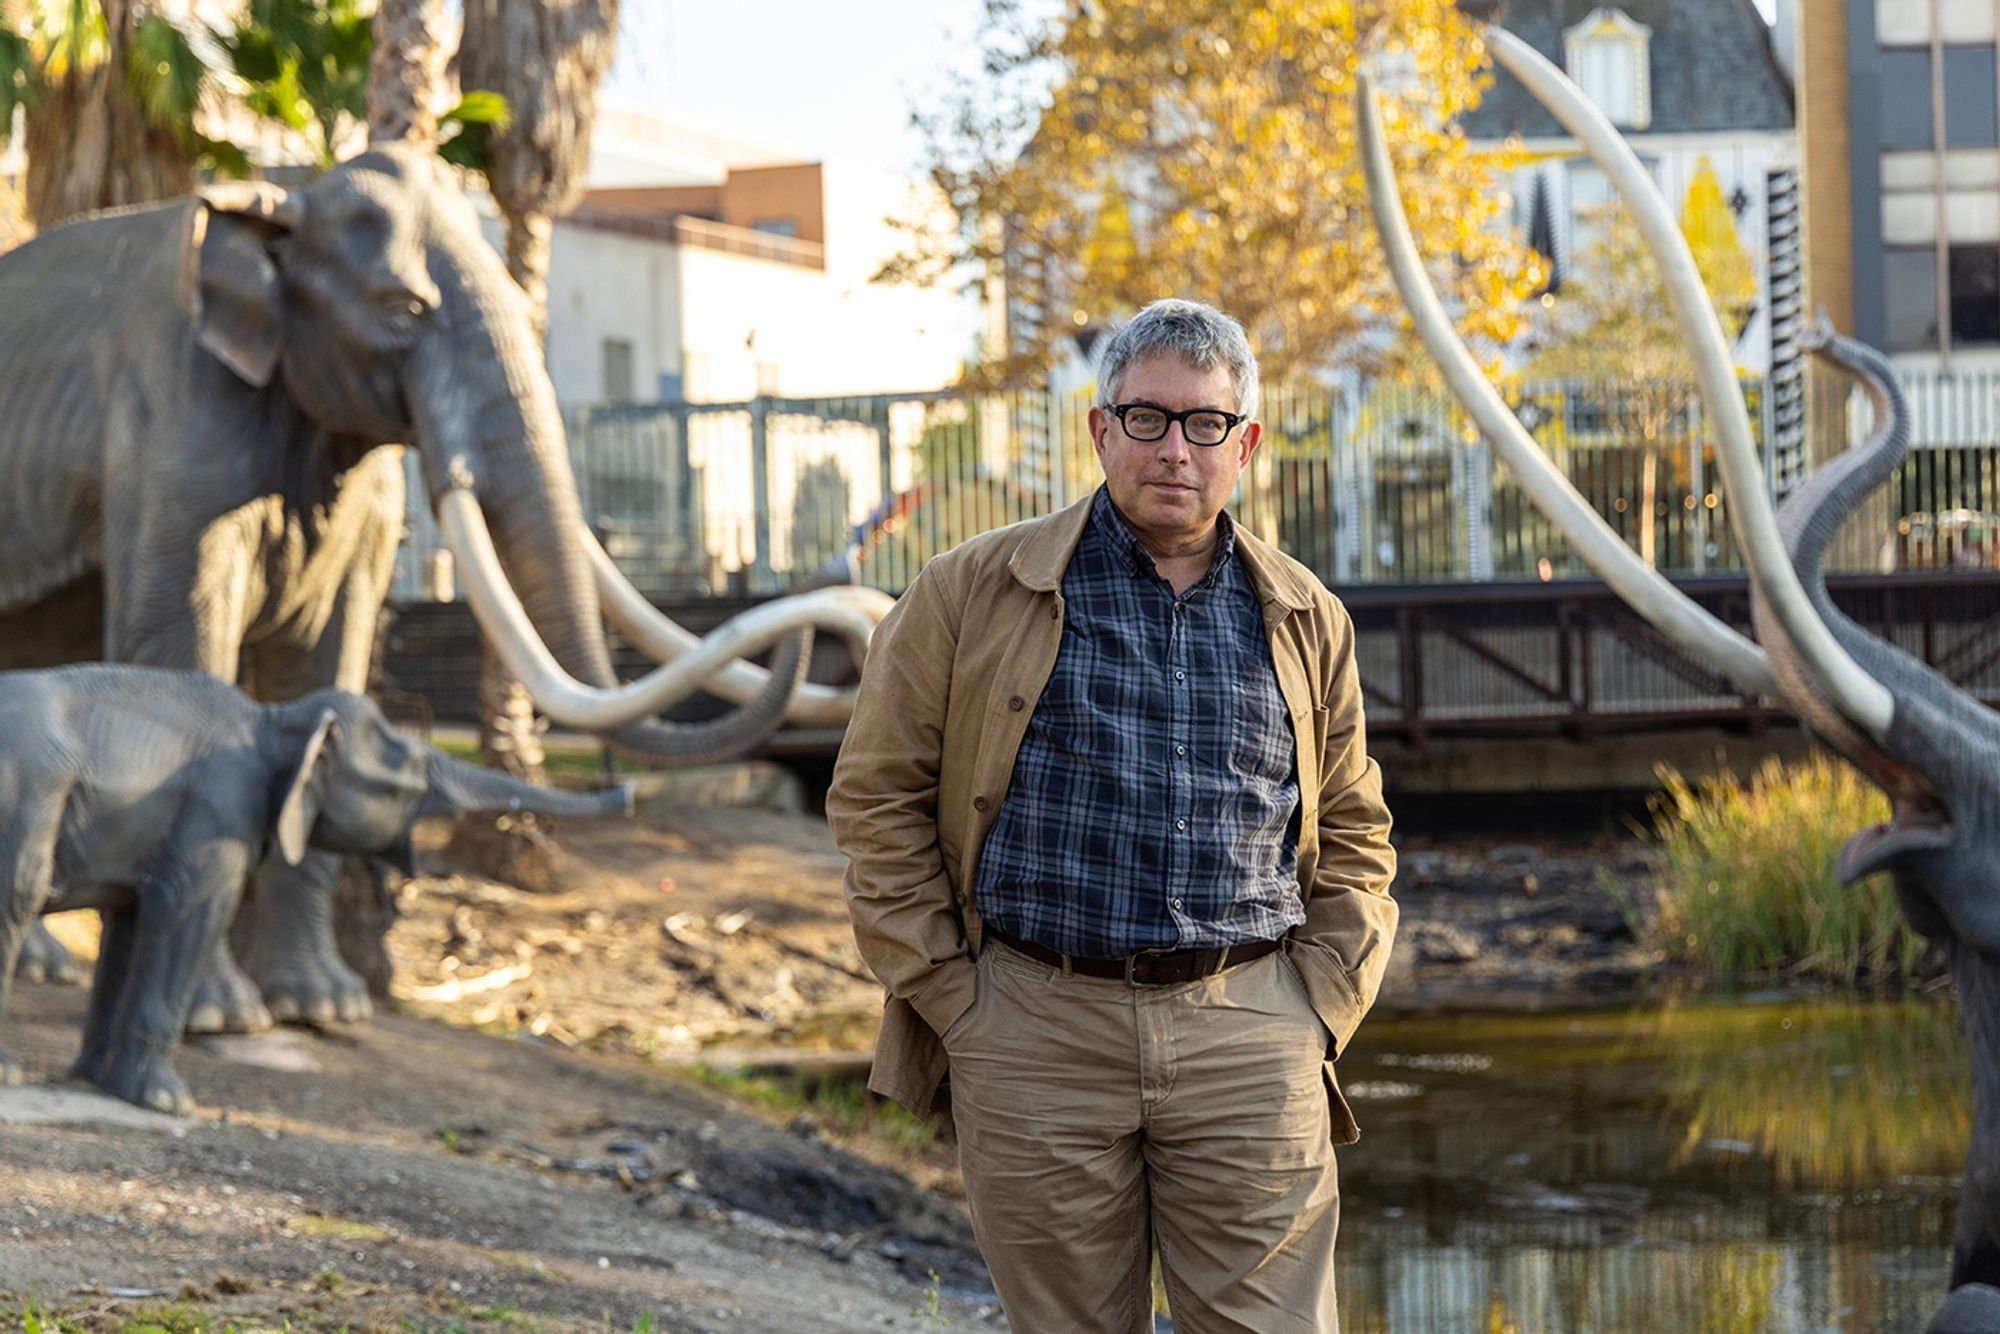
(1174, 444)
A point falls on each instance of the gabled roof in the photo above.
(1712, 67)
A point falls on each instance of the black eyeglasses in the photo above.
(1201, 426)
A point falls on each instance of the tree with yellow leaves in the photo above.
(1133, 149)
(1611, 336)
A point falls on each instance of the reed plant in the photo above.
(1744, 877)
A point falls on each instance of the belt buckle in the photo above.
(1132, 962)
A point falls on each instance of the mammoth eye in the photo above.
(405, 303)
(403, 306)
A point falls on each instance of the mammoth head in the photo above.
(333, 282)
(370, 300)
(356, 784)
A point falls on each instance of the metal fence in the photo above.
(1378, 484)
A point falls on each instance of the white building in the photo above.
(704, 268)
(1684, 81)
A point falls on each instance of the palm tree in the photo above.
(546, 59)
(110, 88)
(403, 73)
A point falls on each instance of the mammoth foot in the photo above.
(315, 990)
(225, 1001)
(44, 959)
(141, 1075)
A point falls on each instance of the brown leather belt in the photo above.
(1148, 968)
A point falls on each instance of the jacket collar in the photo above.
(1044, 554)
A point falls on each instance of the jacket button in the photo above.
(979, 803)
(1017, 704)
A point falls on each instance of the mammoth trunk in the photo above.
(496, 459)
(459, 787)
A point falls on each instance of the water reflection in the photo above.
(1730, 1167)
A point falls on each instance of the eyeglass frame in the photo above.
(1231, 420)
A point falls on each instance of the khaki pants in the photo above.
(1095, 1119)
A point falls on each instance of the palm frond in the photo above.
(18, 83)
(168, 77)
(70, 35)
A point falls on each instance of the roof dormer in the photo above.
(1608, 54)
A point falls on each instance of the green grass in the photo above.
(568, 766)
(94, 1315)
(842, 1106)
(1745, 884)
(154, 1318)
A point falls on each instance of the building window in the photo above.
(790, 226)
(1968, 98)
(617, 370)
(1975, 294)
(1906, 99)
(1609, 56)
(1910, 298)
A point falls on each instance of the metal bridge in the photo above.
(1556, 662)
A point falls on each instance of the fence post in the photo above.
(885, 461)
(1698, 484)
(1478, 503)
(1346, 489)
(762, 578)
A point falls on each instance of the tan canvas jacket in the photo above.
(953, 675)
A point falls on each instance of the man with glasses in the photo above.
(1118, 852)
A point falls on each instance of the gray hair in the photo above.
(1198, 334)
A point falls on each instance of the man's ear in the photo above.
(228, 283)
(306, 791)
(1253, 435)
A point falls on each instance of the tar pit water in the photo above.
(1784, 1165)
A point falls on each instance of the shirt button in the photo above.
(1017, 704)
(1176, 904)
(1178, 824)
(1180, 750)
(1180, 676)
(979, 803)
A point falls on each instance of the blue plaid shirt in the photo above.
(1155, 799)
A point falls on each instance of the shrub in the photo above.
(1745, 883)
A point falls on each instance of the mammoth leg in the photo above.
(30, 835)
(292, 953)
(290, 932)
(114, 967)
(44, 958)
(225, 999)
(183, 910)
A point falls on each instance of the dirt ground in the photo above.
(527, 1141)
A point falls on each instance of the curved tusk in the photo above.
(1850, 689)
(850, 612)
(1646, 590)
(565, 699)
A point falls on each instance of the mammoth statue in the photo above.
(201, 406)
(149, 795)
(1934, 749)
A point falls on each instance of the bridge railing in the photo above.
(1370, 484)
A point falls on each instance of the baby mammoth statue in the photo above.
(151, 795)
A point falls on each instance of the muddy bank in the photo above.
(1521, 926)
(411, 1170)
(528, 1138)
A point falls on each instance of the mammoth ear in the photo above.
(228, 282)
(302, 797)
